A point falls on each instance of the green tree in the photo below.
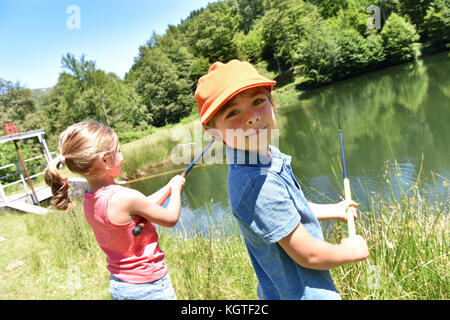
(17, 105)
(318, 53)
(330, 8)
(400, 39)
(284, 26)
(84, 92)
(166, 95)
(211, 33)
(250, 46)
(436, 27)
(249, 12)
(416, 11)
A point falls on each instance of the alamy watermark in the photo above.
(255, 141)
(74, 20)
(374, 21)
(373, 279)
(73, 279)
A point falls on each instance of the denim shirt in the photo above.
(269, 204)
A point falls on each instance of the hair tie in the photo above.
(61, 158)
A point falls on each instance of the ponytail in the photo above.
(59, 184)
(80, 146)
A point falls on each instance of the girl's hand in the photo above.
(342, 207)
(177, 183)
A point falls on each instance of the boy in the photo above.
(280, 228)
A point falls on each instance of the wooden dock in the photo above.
(26, 207)
(23, 203)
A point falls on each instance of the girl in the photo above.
(136, 264)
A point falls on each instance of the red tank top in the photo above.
(131, 259)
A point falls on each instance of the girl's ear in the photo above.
(102, 158)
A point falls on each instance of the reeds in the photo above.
(406, 229)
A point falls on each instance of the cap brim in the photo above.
(230, 92)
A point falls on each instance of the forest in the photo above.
(310, 43)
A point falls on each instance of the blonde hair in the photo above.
(80, 146)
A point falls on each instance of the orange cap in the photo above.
(222, 82)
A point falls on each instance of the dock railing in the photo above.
(22, 179)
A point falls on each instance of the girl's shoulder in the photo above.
(125, 199)
(121, 193)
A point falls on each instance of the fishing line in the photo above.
(161, 174)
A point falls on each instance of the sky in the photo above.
(35, 34)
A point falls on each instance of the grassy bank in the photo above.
(152, 152)
(57, 257)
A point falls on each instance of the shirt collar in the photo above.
(241, 157)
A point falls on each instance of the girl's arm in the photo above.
(158, 194)
(125, 205)
(332, 211)
(313, 253)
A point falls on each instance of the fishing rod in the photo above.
(141, 225)
(348, 194)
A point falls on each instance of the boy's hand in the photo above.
(177, 183)
(342, 209)
(357, 247)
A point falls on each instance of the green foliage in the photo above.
(400, 39)
(309, 43)
(84, 92)
(415, 10)
(437, 22)
(318, 53)
(329, 8)
(250, 46)
(166, 93)
(17, 105)
(211, 33)
(248, 12)
(8, 155)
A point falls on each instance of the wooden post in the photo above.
(19, 154)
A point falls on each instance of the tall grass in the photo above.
(407, 233)
(408, 243)
(56, 256)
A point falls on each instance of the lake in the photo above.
(396, 128)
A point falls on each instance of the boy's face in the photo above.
(245, 122)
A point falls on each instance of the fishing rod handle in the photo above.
(350, 210)
(141, 225)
